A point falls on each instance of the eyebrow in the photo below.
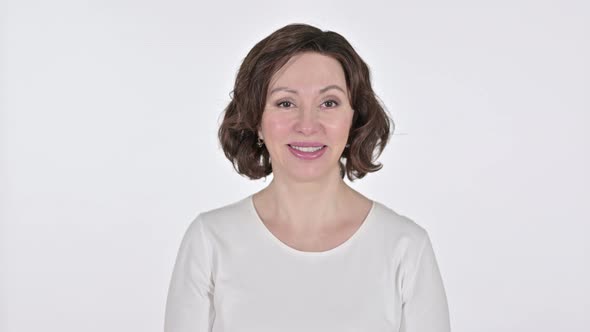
(282, 88)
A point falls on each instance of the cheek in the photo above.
(276, 126)
(340, 127)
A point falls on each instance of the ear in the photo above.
(260, 134)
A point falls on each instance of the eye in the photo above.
(331, 103)
(282, 103)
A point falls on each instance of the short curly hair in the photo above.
(238, 133)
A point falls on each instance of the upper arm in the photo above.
(189, 304)
(424, 306)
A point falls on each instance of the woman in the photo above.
(308, 252)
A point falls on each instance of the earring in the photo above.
(347, 145)
(260, 143)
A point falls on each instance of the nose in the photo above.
(307, 121)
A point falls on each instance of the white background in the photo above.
(108, 147)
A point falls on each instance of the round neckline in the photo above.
(340, 247)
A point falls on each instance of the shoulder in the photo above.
(401, 237)
(395, 224)
(228, 211)
(228, 217)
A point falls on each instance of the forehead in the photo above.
(309, 71)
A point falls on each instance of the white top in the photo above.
(233, 275)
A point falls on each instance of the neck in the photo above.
(309, 205)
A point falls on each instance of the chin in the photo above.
(311, 174)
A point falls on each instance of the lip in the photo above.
(306, 144)
(307, 155)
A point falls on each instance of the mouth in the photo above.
(307, 152)
(307, 148)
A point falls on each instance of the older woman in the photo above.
(308, 252)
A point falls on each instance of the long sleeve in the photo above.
(425, 307)
(189, 302)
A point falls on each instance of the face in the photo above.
(307, 104)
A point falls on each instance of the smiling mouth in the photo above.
(307, 148)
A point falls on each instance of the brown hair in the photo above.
(238, 133)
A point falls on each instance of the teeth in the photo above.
(307, 148)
